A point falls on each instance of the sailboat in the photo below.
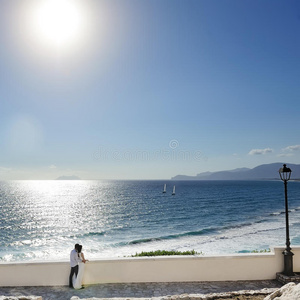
(173, 193)
(165, 188)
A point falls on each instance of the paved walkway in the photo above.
(138, 290)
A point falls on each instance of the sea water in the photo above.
(42, 220)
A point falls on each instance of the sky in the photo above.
(147, 89)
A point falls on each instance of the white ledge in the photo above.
(244, 266)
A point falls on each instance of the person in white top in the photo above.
(74, 260)
(77, 280)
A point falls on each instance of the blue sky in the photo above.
(149, 89)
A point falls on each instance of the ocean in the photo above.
(42, 220)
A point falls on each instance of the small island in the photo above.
(72, 177)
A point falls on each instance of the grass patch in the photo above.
(261, 251)
(166, 253)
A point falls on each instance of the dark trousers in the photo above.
(74, 270)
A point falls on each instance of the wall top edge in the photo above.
(159, 258)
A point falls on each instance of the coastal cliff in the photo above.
(261, 172)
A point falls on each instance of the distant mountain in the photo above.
(262, 172)
(73, 177)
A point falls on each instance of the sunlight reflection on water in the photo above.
(42, 220)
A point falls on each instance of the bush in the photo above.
(261, 251)
(166, 253)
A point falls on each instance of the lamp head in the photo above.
(285, 173)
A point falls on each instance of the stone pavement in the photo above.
(138, 290)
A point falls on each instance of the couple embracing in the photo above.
(77, 262)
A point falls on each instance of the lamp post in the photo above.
(285, 175)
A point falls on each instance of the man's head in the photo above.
(76, 246)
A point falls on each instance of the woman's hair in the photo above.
(79, 248)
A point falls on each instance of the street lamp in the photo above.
(285, 175)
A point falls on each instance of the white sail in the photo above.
(165, 188)
(173, 193)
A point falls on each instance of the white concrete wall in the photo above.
(157, 269)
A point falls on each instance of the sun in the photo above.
(58, 22)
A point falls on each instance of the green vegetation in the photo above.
(164, 252)
(261, 251)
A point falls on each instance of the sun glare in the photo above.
(58, 22)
